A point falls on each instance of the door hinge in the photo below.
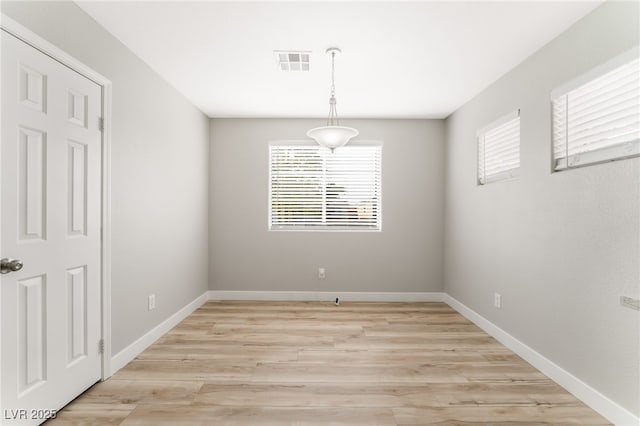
(101, 123)
(101, 346)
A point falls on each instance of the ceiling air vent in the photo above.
(293, 61)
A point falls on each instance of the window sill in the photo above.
(604, 155)
(506, 176)
(324, 228)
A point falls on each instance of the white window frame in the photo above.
(620, 151)
(512, 173)
(323, 227)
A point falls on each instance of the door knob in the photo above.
(7, 265)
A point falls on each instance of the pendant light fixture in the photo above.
(333, 135)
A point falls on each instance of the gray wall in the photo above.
(159, 173)
(560, 247)
(406, 256)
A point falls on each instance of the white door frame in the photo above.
(34, 40)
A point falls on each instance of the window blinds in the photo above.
(313, 188)
(499, 149)
(599, 120)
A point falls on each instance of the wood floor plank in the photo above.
(210, 351)
(314, 363)
(497, 415)
(387, 357)
(125, 392)
(314, 373)
(83, 412)
(344, 395)
(258, 416)
(190, 370)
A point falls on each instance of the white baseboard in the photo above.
(126, 355)
(329, 296)
(591, 397)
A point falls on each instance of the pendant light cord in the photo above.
(333, 111)
(333, 74)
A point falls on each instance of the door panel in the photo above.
(77, 309)
(50, 168)
(77, 186)
(32, 160)
(32, 332)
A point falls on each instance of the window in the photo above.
(499, 149)
(311, 188)
(596, 117)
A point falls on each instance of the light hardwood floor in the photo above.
(313, 363)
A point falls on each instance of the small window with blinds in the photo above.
(499, 149)
(596, 117)
(312, 188)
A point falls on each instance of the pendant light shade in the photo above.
(333, 135)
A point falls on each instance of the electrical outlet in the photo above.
(497, 300)
(152, 302)
(630, 302)
(322, 273)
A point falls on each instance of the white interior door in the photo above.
(50, 220)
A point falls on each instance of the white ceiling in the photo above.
(400, 59)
